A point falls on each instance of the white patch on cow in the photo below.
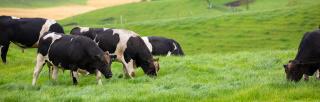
(175, 46)
(53, 36)
(124, 36)
(75, 75)
(318, 74)
(147, 42)
(83, 72)
(45, 28)
(104, 29)
(84, 29)
(169, 53)
(98, 77)
(13, 17)
(95, 39)
(0, 49)
(305, 77)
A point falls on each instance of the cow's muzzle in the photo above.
(108, 75)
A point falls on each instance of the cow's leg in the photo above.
(169, 53)
(74, 77)
(131, 66)
(55, 71)
(83, 72)
(38, 68)
(128, 68)
(4, 51)
(305, 77)
(318, 74)
(98, 77)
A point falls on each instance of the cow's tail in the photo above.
(179, 50)
(56, 28)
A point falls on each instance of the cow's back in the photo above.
(27, 30)
(309, 48)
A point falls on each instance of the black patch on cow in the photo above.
(73, 52)
(161, 46)
(24, 32)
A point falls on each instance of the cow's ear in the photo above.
(113, 57)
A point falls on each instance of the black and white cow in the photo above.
(71, 52)
(163, 46)
(307, 60)
(24, 32)
(127, 45)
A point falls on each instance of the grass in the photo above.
(38, 3)
(239, 76)
(231, 56)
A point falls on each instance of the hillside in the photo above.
(278, 27)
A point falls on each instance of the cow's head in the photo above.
(104, 65)
(294, 70)
(152, 68)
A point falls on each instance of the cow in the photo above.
(130, 49)
(163, 46)
(71, 53)
(24, 32)
(307, 60)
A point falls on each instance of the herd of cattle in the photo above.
(90, 50)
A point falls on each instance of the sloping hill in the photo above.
(276, 25)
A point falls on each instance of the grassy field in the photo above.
(38, 3)
(231, 56)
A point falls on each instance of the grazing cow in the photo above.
(307, 60)
(24, 32)
(71, 52)
(163, 46)
(127, 45)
